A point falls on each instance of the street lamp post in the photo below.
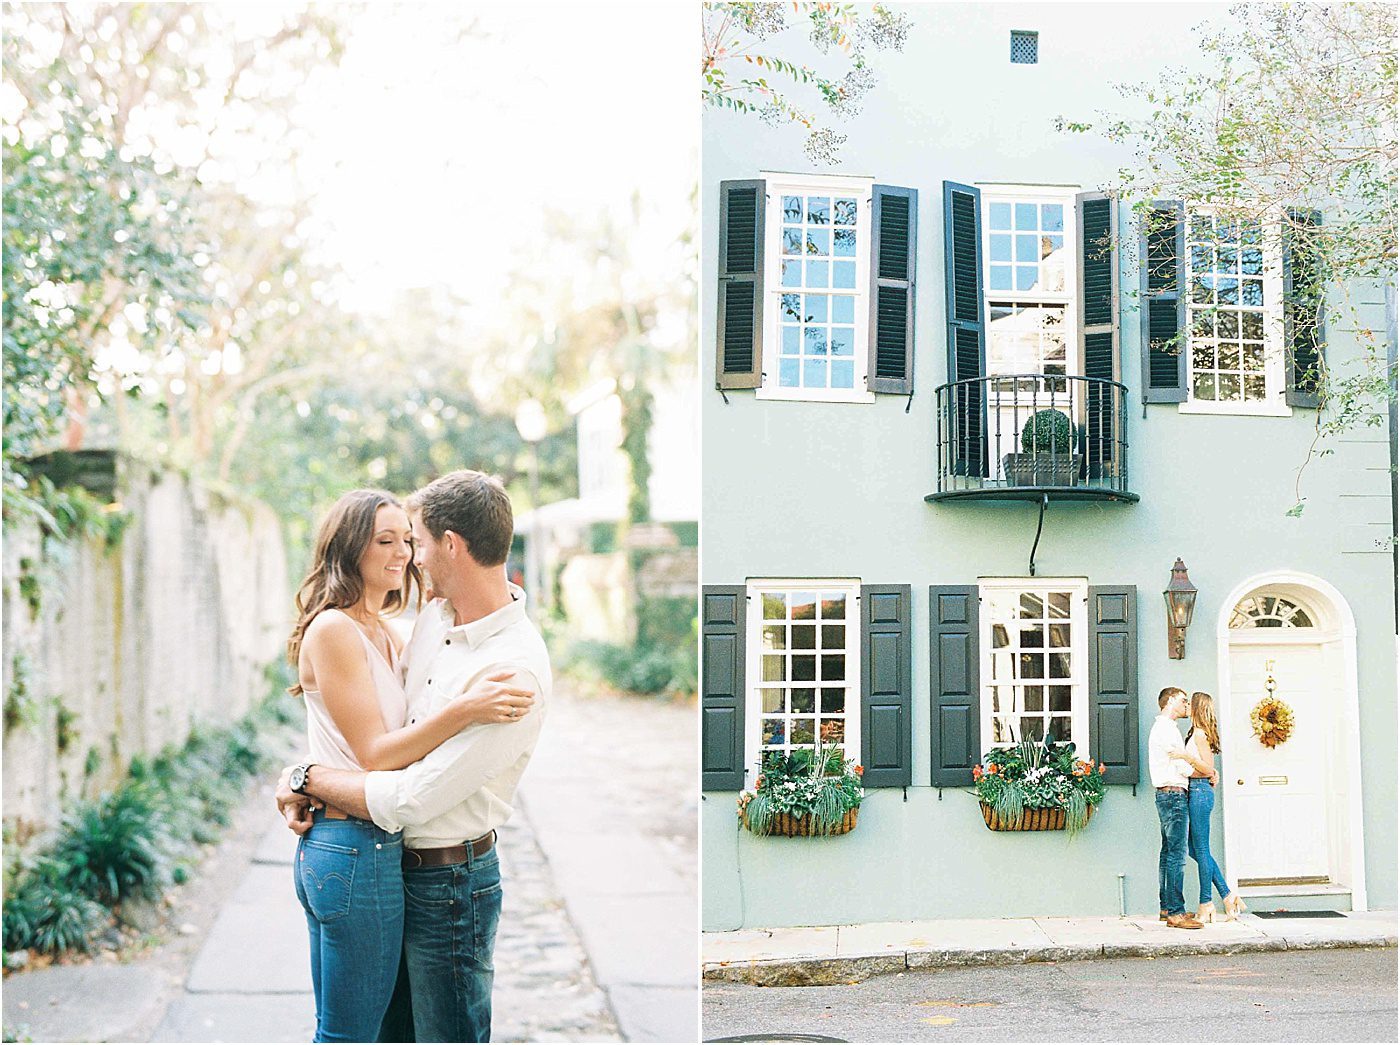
(531, 423)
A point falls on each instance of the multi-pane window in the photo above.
(803, 673)
(1229, 302)
(1025, 246)
(1026, 339)
(1031, 311)
(818, 265)
(1034, 642)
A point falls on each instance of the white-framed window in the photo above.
(1029, 241)
(1034, 642)
(816, 312)
(1234, 303)
(803, 670)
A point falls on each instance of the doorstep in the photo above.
(815, 955)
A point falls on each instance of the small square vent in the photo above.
(1025, 47)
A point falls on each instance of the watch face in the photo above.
(298, 780)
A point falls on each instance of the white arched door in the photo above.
(1278, 795)
(1292, 812)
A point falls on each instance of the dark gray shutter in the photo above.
(739, 356)
(886, 692)
(894, 236)
(722, 613)
(1097, 220)
(956, 718)
(1304, 292)
(967, 349)
(1113, 717)
(1162, 250)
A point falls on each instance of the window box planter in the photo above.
(803, 793)
(1034, 786)
(1030, 820)
(786, 825)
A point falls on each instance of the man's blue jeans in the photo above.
(444, 984)
(349, 882)
(1171, 863)
(1200, 802)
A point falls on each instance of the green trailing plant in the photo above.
(820, 784)
(21, 709)
(65, 724)
(1047, 431)
(1032, 775)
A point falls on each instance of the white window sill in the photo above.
(1235, 409)
(812, 395)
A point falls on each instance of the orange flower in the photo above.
(860, 770)
(1103, 768)
(976, 772)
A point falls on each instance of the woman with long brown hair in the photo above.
(348, 874)
(1200, 801)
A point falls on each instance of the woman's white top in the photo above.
(326, 745)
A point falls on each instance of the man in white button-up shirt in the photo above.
(449, 804)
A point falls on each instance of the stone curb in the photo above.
(825, 972)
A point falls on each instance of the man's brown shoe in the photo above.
(1183, 921)
(1162, 916)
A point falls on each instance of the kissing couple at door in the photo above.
(414, 752)
(1184, 778)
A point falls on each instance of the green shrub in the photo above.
(133, 842)
(634, 669)
(1047, 431)
(43, 914)
(115, 847)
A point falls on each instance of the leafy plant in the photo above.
(1034, 775)
(115, 847)
(732, 32)
(1047, 431)
(44, 914)
(820, 784)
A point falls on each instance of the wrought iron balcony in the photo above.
(1032, 436)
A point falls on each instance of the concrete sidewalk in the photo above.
(821, 955)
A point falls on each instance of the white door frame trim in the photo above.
(1339, 630)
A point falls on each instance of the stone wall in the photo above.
(113, 653)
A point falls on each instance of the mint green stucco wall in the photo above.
(836, 490)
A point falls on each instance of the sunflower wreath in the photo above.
(1272, 720)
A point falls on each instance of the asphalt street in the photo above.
(1306, 996)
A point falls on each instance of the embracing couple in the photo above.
(414, 756)
(1184, 776)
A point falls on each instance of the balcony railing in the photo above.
(999, 438)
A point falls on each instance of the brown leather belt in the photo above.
(413, 859)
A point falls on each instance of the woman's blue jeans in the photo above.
(1200, 800)
(350, 883)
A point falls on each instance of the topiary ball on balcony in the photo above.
(1047, 431)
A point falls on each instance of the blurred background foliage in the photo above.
(165, 294)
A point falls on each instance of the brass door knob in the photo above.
(1239, 781)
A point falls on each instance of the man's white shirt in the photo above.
(466, 786)
(1166, 754)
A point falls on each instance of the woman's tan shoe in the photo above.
(1206, 913)
(1234, 907)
